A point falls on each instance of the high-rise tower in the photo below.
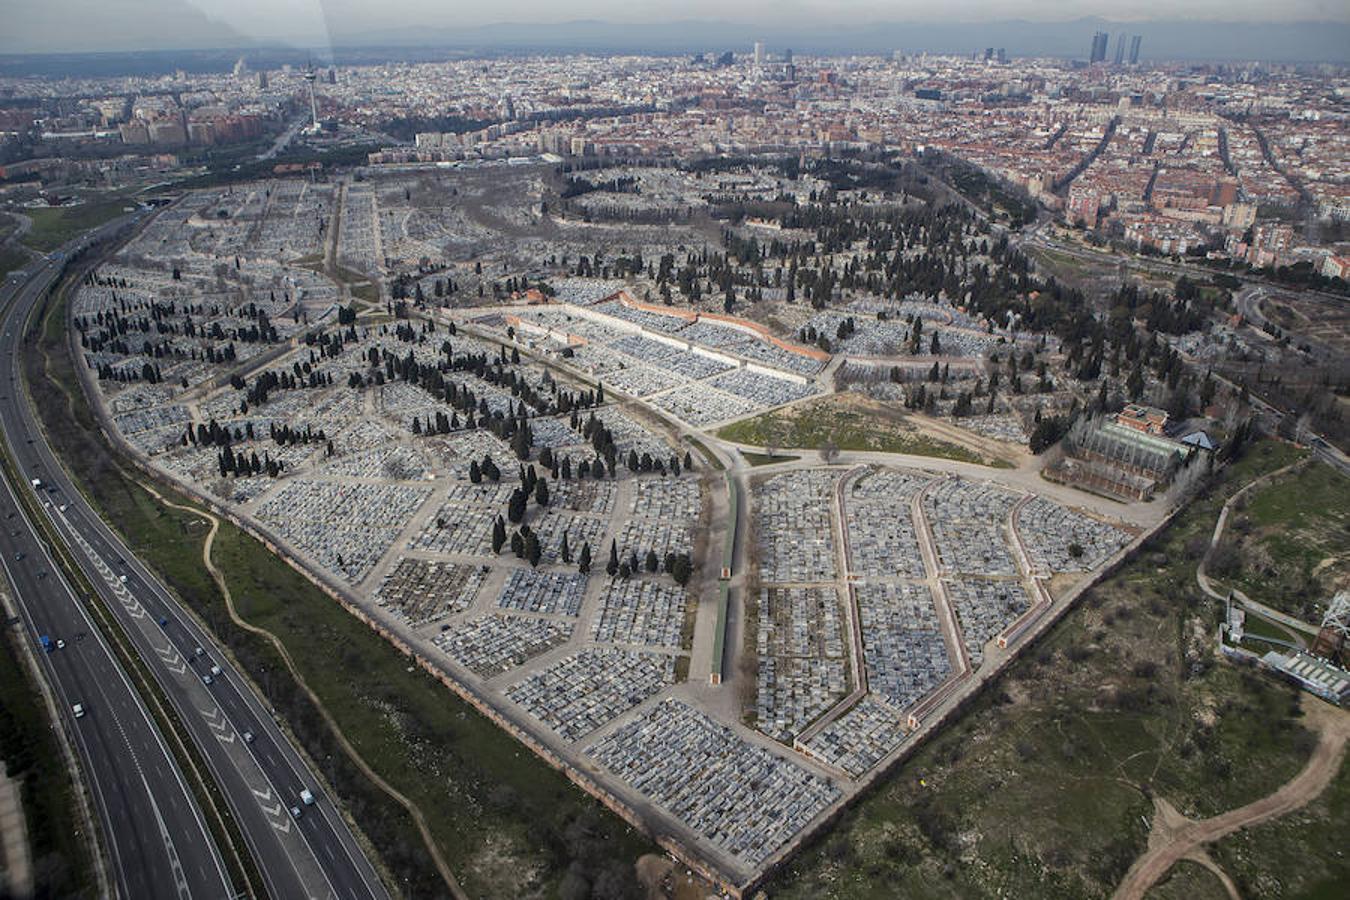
(310, 76)
(1134, 49)
(1099, 42)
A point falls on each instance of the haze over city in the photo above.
(1311, 30)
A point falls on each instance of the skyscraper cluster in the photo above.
(1101, 42)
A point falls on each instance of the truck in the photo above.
(37, 484)
(306, 797)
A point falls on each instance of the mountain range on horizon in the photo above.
(1180, 39)
(1200, 41)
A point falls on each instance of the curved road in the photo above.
(153, 832)
(260, 776)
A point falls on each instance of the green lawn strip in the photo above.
(1300, 854)
(506, 821)
(1260, 627)
(32, 757)
(1041, 788)
(54, 225)
(764, 459)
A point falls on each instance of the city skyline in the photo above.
(1304, 32)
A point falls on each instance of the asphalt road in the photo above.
(261, 775)
(156, 837)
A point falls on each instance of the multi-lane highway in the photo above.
(156, 839)
(312, 854)
(155, 835)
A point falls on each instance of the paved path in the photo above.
(1027, 478)
(1175, 837)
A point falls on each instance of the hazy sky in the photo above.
(45, 25)
(306, 16)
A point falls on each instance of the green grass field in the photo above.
(1041, 788)
(851, 423)
(53, 226)
(1288, 544)
(508, 824)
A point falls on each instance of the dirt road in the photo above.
(1174, 837)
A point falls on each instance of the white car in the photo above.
(248, 737)
(60, 644)
(78, 710)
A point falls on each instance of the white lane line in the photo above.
(179, 878)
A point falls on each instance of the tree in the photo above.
(520, 443)
(1047, 433)
(541, 492)
(475, 473)
(532, 550)
(584, 562)
(498, 535)
(681, 570)
(515, 507)
(652, 563)
(612, 566)
(829, 451)
(564, 551)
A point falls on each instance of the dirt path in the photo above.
(1201, 858)
(1174, 837)
(418, 818)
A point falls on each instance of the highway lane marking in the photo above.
(219, 724)
(282, 821)
(179, 877)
